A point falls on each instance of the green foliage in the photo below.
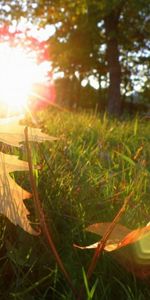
(81, 40)
(90, 293)
(70, 93)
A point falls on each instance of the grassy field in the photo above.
(84, 178)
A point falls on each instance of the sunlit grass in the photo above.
(84, 178)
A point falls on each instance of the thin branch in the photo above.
(41, 216)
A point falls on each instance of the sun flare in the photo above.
(18, 73)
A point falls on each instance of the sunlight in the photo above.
(18, 73)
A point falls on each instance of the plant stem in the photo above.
(102, 242)
(41, 216)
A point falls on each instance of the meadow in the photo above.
(83, 178)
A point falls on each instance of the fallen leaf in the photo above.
(11, 194)
(130, 248)
(118, 233)
(135, 257)
(134, 236)
(12, 132)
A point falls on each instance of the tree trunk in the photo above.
(114, 95)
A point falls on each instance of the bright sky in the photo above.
(41, 34)
(19, 71)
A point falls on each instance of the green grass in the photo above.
(84, 178)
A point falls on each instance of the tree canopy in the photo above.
(108, 40)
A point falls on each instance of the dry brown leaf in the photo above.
(135, 257)
(118, 233)
(130, 248)
(134, 236)
(11, 194)
(12, 132)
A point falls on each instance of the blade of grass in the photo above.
(33, 286)
(126, 158)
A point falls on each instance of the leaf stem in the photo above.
(41, 216)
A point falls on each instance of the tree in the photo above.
(86, 25)
(111, 24)
(94, 37)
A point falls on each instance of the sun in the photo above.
(18, 73)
